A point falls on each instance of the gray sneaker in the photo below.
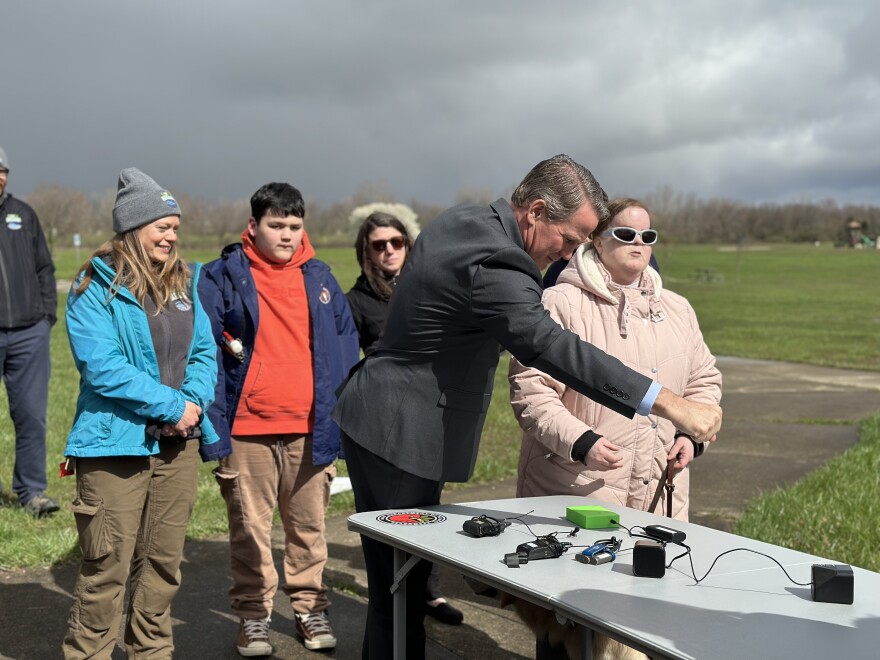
(41, 505)
(253, 637)
(315, 630)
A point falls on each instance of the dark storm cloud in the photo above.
(756, 101)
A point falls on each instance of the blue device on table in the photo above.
(601, 552)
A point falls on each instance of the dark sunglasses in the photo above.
(397, 243)
(628, 235)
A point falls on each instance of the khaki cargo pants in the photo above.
(131, 513)
(263, 472)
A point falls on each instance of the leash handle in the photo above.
(669, 486)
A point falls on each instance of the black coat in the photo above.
(468, 289)
(27, 274)
(369, 310)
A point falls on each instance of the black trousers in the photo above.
(377, 484)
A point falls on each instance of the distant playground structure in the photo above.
(856, 235)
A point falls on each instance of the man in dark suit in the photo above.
(413, 413)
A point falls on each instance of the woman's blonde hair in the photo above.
(134, 270)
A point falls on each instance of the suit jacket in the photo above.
(468, 290)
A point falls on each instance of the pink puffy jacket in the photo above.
(649, 329)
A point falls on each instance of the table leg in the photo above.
(400, 558)
(586, 643)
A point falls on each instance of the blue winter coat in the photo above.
(229, 297)
(120, 390)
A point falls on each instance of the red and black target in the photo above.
(411, 518)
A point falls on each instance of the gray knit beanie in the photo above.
(139, 201)
(4, 161)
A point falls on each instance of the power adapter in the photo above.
(665, 534)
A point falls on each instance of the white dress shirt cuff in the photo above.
(650, 397)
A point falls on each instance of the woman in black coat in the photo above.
(382, 246)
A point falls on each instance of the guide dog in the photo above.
(543, 623)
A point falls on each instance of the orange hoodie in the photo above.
(279, 389)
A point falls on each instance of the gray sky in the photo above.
(754, 100)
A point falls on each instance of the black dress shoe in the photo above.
(444, 613)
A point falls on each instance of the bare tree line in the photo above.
(687, 219)
(682, 217)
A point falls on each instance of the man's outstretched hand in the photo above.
(701, 421)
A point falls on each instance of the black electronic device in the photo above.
(649, 559)
(832, 583)
(663, 533)
(543, 547)
(484, 525)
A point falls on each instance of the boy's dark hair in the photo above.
(280, 199)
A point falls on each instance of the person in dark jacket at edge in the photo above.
(28, 309)
(381, 247)
(286, 340)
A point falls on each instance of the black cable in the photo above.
(727, 552)
(526, 525)
(687, 553)
(633, 535)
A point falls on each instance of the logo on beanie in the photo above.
(168, 199)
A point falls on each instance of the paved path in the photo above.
(765, 444)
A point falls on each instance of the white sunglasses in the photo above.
(628, 235)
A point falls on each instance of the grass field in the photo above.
(801, 303)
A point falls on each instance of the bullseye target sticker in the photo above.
(411, 518)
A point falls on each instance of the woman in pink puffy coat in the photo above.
(611, 298)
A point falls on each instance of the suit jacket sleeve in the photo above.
(506, 301)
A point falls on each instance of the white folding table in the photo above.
(745, 608)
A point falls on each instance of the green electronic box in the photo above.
(592, 517)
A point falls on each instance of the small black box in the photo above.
(832, 583)
(649, 559)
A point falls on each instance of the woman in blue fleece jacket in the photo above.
(146, 358)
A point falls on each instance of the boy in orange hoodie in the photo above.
(286, 340)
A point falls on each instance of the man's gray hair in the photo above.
(565, 186)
